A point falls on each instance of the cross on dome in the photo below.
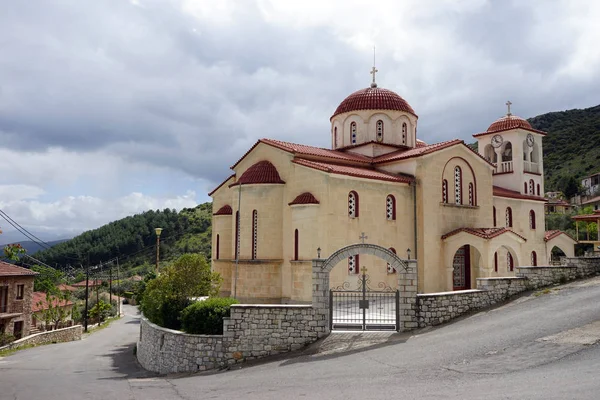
(373, 72)
(508, 104)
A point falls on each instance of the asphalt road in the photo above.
(537, 347)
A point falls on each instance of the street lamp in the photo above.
(408, 252)
(158, 231)
(319, 253)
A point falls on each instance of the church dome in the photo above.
(373, 98)
(509, 122)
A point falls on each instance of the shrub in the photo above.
(6, 338)
(206, 317)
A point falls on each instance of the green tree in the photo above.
(14, 251)
(100, 311)
(47, 279)
(174, 289)
(569, 186)
(54, 311)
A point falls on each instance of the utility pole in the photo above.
(87, 293)
(238, 240)
(110, 285)
(118, 289)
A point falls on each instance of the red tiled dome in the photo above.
(261, 172)
(304, 198)
(373, 98)
(225, 210)
(509, 122)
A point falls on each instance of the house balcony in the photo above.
(532, 167)
(503, 167)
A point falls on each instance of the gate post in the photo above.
(320, 296)
(407, 285)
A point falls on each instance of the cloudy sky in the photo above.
(112, 107)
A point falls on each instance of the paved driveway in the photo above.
(536, 347)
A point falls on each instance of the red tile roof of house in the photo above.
(93, 283)
(7, 269)
(261, 172)
(557, 202)
(221, 184)
(39, 302)
(225, 210)
(595, 216)
(304, 198)
(416, 152)
(373, 98)
(357, 172)
(485, 233)
(549, 235)
(503, 192)
(66, 288)
(509, 122)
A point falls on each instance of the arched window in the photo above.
(524, 187)
(533, 259)
(509, 261)
(335, 137)
(353, 264)
(217, 251)
(457, 185)
(404, 132)
(531, 219)
(538, 189)
(353, 204)
(496, 262)
(507, 152)
(471, 195)
(390, 208)
(445, 191)
(296, 243)
(379, 130)
(237, 234)
(390, 269)
(254, 233)
(494, 209)
(531, 187)
(509, 217)
(353, 132)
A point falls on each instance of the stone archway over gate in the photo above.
(407, 281)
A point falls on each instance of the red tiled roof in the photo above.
(373, 98)
(304, 150)
(221, 184)
(66, 288)
(7, 269)
(304, 198)
(595, 216)
(39, 302)
(549, 235)
(416, 152)
(557, 202)
(421, 143)
(509, 122)
(225, 210)
(357, 172)
(93, 283)
(503, 192)
(261, 172)
(485, 233)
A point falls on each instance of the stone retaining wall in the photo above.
(437, 308)
(252, 331)
(57, 336)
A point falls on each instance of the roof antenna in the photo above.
(374, 70)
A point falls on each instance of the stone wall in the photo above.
(57, 336)
(252, 331)
(437, 308)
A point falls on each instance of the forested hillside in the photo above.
(572, 146)
(133, 239)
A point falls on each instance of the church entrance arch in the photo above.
(358, 308)
(556, 254)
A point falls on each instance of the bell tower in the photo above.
(515, 149)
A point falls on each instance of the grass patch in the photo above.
(541, 292)
(103, 325)
(8, 352)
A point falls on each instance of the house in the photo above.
(93, 284)
(591, 184)
(593, 202)
(555, 204)
(461, 214)
(16, 288)
(67, 288)
(41, 303)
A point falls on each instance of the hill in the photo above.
(32, 247)
(572, 146)
(133, 239)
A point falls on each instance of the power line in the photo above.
(22, 230)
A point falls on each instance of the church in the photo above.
(462, 214)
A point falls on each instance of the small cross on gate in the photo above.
(508, 104)
(362, 237)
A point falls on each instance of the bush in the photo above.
(206, 317)
(6, 338)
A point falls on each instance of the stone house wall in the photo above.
(20, 306)
(57, 336)
(252, 331)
